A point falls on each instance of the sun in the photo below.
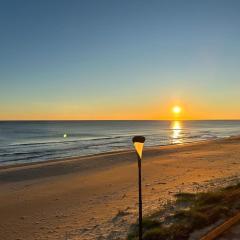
(176, 109)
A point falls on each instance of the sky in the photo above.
(128, 59)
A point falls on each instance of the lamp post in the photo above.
(138, 142)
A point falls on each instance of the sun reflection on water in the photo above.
(176, 127)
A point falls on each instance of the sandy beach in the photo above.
(95, 197)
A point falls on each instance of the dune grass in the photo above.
(191, 212)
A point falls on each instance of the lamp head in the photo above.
(138, 142)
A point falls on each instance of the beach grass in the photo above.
(191, 212)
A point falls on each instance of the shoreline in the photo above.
(124, 151)
(65, 200)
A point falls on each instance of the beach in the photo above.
(95, 197)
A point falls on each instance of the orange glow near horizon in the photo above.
(145, 110)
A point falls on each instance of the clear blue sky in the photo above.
(93, 59)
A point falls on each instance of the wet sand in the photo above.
(96, 197)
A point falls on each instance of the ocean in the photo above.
(35, 141)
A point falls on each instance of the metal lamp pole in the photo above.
(140, 197)
(138, 142)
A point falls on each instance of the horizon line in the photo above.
(72, 120)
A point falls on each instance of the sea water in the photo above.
(34, 141)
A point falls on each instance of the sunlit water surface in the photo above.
(33, 141)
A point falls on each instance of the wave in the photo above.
(62, 141)
(26, 158)
(33, 153)
(38, 143)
